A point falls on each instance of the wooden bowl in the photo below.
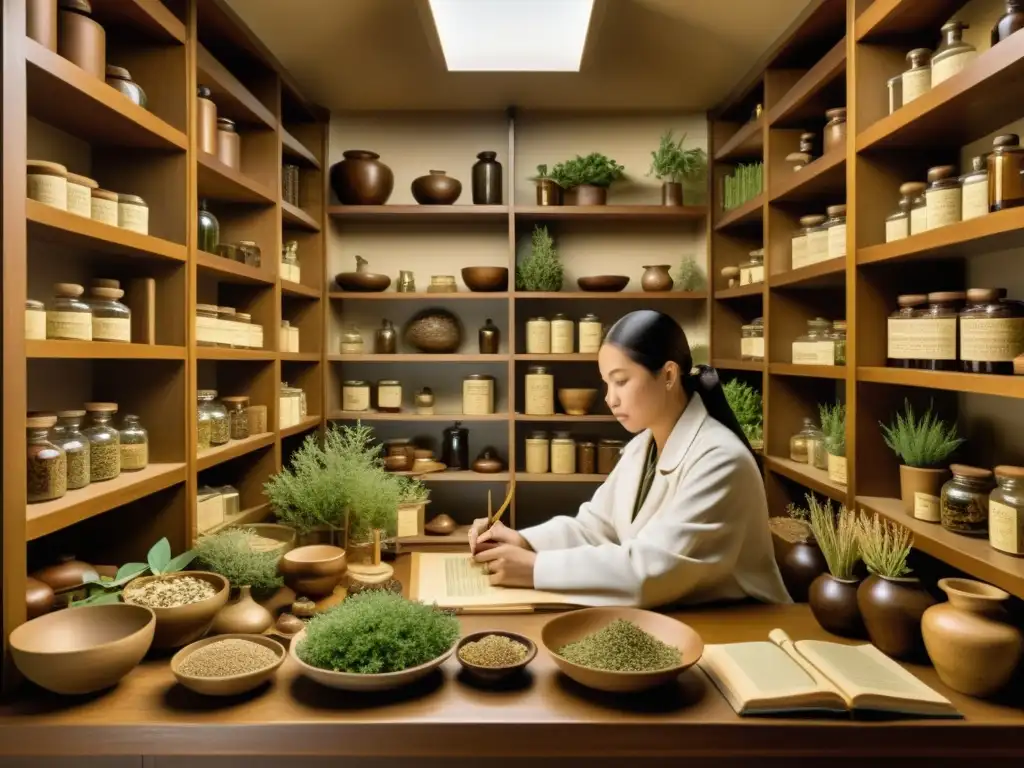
(496, 674)
(349, 681)
(313, 571)
(83, 650)
(603, 283)
(362, 282)
(575, 625)
(577, 402)
(233, 684)
(485, 279)
(184, 624)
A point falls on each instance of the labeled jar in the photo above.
(134, 445)
(991, 332)
(953, 54)
(895, 85)
(752, 270)
(838, 336)
(252, 256)
(943, 196)
(935, 332)
(752, 340)
(68, 317)
(897, 223)
(351, 341)
(835, 129)
(104, 442)
(538, 450)
(389, 396)
(209, 229)
(104, 206)
(563, 454)
(964, 500)
(229, 144)
(974, 190)
(111, 320)
(46, 463)
(290, 269)
(586, 457)
(238, 416)
(207, 326)
(220, 426)
(48, 183)
(35, 320)
(902, 344)
(355, 395)
(917, 80)
(538, 336)
(478, 395)
(228, 333)
(133, 214)
(68, 436)
(918, 206)
(540, 391)
(80, 39)
(563, 332)
(815, 240)
(206, 120)
(836, 227)
(591, 334)
(816, 347)
(1005, 164)
(80, 195)
(609, 451)
(120, 79)
(1006, 511)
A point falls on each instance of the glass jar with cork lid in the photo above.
(104, 442)
(815, 235)
(752, 340)
(897, 223)
(46, 462)
(943, 196)
(974, 190)
(816, 347)
(917, 80)
(991, 332)
(918, 205)
(752, 270)
(238, 416)
(902, 348)
(964, 500)
(134, 445)
(936, 331)
(355, 395)
(68, 435)
(68, 317)
(220, 425)
(836, 230)
(389, 396)
(111, 320)
(1006, 511)
(835, 129)
(1005, 164)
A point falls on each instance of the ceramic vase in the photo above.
(969, 640)
(436, 188)
(672, 193)
(892, 611)
(588, 194)
(800, 566)
(920, 490)
(243, 617)
(361, 179)
(656, 277)
(487, 179)
(548, 192)
(834, 605)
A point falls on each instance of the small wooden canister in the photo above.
(82, 40)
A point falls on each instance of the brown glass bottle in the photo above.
(900, 332)
(939, 331)
(1005, 163)
(1009, 22)
(991, 332)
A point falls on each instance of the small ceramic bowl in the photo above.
(496, 674)
(603, 283)
(577, 401)
(178, 626)
(485, 279)
(314, 570)
(233, 684)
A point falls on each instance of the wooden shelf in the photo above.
(590, 418)
(299, 357)
(228, 271)
(97, 498)
(308, 423)
(220, 182)
(100, 350)
(620, 296)
(570, 357)
(976, 383)
(892, 18)
(982, 98)
(55, 226)
(418, 296)
(67, 97)
(523, 477)
(811, 477)
(724, 364)
(740, 292)
(463, 476)
(249, 516)
(296, 218)
(971, 555)
(993, 232)
(824, 274)
(288, 288)
(611, 212)
(751, 212)
(233, 99)
(426, 213)
(225, 353)
(412, 417)
(809, 371)
(152, 19)
(823, 177)
(418, 358)
(458, 537)
(798, 104)
(746, 144)
(294, 149)
(211, 457)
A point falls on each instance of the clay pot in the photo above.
(548, 192)
(436, 189)
(657, 278)
(67, 573)
(361, 179)
(577, 401)
(487, 462)
(243, 617)
(800, 566)
(362, 280)
(434, 330)
(603, 283)
(969, 640)
(487, 188)
(671, 193)
(834, 605)
(39, 598)
(924, 481)
(588, 194)
(313, 571)
(892, 610)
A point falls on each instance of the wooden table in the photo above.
(448, 716)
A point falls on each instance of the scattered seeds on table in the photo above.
(621, 647)
(227, 657)
(493, 651)
(170, 593)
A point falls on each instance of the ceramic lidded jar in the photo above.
(487, 188)
(892, 609)
(120, 79)
(657, 278)
(917, 80)
(455, 447)
(361, 179)
(80, 39)
(436, 188)
(953, 54)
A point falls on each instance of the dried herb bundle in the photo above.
(836, 534)
(884, 546)
(746, 404)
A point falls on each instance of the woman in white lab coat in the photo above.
(683, 516)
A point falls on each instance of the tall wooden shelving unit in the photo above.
(849, 48)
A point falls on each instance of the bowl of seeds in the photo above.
(621, 650)
(494, 655)
(227, 665)
(184, 603)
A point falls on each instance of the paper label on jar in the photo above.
(408, 520)
(111, 328)
(757, 274)
(817, 246)
(943, 207)
(538, 337)
(69, 325)
(561, 337)
(477, 397)
(104, 211)
(752, 348)
(35, 324)
(355, 398)
(837, 241)
(918, 220)
(293, 340)
(1005, 528)
(389, 397)
(133, 217)
(916, 83)
(798, 254)
(814, 353)
(922, 338)
(837, 469)
(927, 507)
(992, 340)
(945, 68)
(897, 229)
(537, 453)
(206, 330)
(540, 394)
(80, 200)
(563, 458)
(48, 190)
(974, 200)
(590, 338)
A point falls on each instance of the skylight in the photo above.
(512, 35)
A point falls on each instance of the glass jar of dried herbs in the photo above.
(238, 416)
(104, 442)
(47, 464)
(68, 436)
(134, 445)
(964, 504)
(220, 424)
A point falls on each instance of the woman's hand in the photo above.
(508, 565)
(499, 533)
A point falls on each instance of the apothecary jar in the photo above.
(217, 414)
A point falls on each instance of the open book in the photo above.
(780, 676)
(455, 580)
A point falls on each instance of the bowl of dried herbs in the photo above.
(494, 655)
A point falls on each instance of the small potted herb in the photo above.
(588, 178)
(672, 165)
(548, 191)
(413, 497)
(924, 446)
(833, 425)
(540, 270)
(833, 595)
(745, 402)
(689, 276)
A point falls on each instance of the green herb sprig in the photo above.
(836, 534)
(670, 162)
(541, 270)
(924, 443)
(833, 425)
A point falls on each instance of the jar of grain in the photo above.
(974, 190)
(478, 395)
(35, 320)
(540, 391)
(204, 429)
(220, 425)
(815, 347)
(104, 442)
(46, 463)
(943, 196)
(68, 436)
(68, 317)
(591, 334)
(902, 347)
(48, 183)
(609, 452)
(133, 214)
(80, 195)
(991, 332)
(538, 336)
(1005, 164)
(836, 230)
(111, 320)
(563, 332)
(917, 80)
(953, 54)
(563, 454)
(586, 457)
(229, 144)
(104, 205)
(935, 332)
(134, 445)
(389, 396)
(835, 129)
(1006, 511)
(964, 501)
(355, 396)
(238, 416)
(538, 450)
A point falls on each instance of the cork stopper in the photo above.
(812, 221)
(68, 290)
(836, 210)
(1006, 140)
(946, 297)
(919, 57)
(103, 282)
(985, 295)
(975, 473)
(106, 293)
(1014, 473)
(911, 300)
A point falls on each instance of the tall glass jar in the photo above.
(538, 453)
(953, 54)
(538, 336)
(68, 436)
(918, 206)
(104, 442)
(209, 229)
(134, 445)
(1005, 164)
(964, 500)
(816, 347)
(838, 335)
(68, 317)
(936, 331)
(563, 454)
(897, 223)
(836, 230)
(1006, 511)
(238, 416)
(991, 332)
(943, 196)
(220, 425)
(974, 190)
(752, 341)
(917, 80)
(903, 342)
(111, 320)
(46, 463)
(752, 270)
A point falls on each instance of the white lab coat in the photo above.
(701, 535)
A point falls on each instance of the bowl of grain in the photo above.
(494, 655)
(227, 665)
(184, 603)
(621, 650)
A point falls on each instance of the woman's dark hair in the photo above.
(651, 339)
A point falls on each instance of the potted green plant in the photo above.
(833, 425)
(745, 402)
(548, 191)
(541, 269)
(587, 178)
(413, 497)
(833, 595)
(672, 165)
(689, 276)
(924, 446)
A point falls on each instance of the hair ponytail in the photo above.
(704, 381)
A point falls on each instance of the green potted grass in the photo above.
(672, 165)
(587, 179)
(745, 402)
(833, 425)
(833, 595)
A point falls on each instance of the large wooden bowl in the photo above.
(603, 283)
(184, 624)
(575, 625)
(485, 279)
(231, 685)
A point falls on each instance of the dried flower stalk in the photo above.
(884, 546)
